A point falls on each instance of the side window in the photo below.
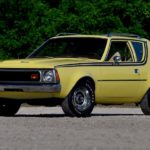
(121, 49)
(138, 47)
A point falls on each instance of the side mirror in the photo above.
(117, 59)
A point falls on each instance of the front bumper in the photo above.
(51, 88)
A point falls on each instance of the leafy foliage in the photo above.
(24, 24)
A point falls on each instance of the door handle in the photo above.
(136, 71)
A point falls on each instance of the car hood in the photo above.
(43, 62)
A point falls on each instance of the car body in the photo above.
(78, 71)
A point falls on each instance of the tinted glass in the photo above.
(120, 49)
(92, 48)
(138, 47)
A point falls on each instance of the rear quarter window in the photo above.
(139, 50)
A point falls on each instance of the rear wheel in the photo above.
(145, 104)
(8, 108)
(80, 101)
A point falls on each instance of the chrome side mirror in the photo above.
(117, 59)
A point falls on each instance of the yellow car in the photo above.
(78, 71)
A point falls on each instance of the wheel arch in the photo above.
(146, 93)
(145, 103)
(84, 79)
(75, 81)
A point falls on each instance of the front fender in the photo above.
(68, 79)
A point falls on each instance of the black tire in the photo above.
(9, 108)
(80, 102)
(145, 104)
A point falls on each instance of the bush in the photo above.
(25, 24)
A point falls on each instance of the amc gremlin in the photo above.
(78, 71)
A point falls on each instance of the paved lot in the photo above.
(43, 128)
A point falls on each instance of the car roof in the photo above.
(104, 36)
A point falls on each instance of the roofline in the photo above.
(104, 36)
(108, 35)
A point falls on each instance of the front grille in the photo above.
(18, 76)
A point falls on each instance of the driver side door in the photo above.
(121, 80)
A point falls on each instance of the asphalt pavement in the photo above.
(47, 128)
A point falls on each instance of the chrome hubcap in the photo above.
(81, 99)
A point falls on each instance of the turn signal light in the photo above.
(57, 76)
(34, 76)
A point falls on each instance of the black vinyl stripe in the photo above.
(98, 64)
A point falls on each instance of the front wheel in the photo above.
(8, 108)
(80, 101)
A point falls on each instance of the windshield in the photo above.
(92, 48)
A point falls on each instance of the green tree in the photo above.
(24, 24)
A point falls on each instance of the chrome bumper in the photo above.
(30, 88)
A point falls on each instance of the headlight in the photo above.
(48, 76)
